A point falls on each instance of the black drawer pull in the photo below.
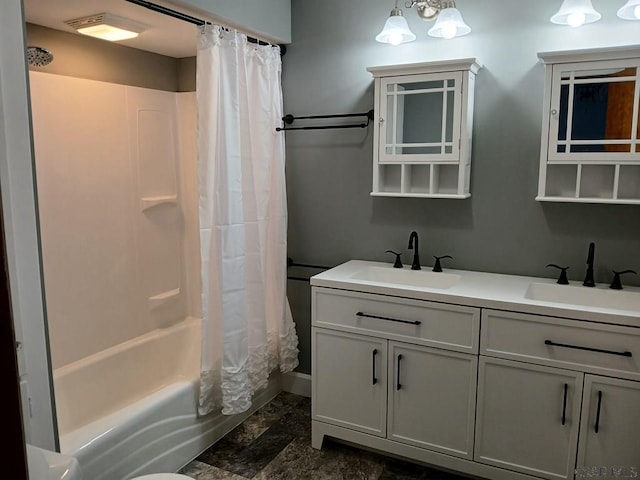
(590, 349)
(398, 385)
(414, 322)
(374, 380)
(597, 425)
(564, 404)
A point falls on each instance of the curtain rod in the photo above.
(188, 18)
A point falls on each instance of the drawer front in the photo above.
(586, 346)
(445, 326)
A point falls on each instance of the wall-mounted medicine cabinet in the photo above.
(590, 148)
(422, 140)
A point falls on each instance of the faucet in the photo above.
(415, 265)
(616, 284)
(588, 280)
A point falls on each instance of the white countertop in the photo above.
(486, 290)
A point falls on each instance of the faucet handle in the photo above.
(562, 279)
(616, 284)
(397, 263)
(437, 267)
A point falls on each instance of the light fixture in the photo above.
(576, 13)
(449, 22)
(630, 11)
(107, 27)
(396, 30)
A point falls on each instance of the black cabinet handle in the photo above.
(590, 349)
(398, 385)
(564, 404)
(414, 322)
(597, 425)
(374, 380)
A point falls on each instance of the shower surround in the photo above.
(117, 189)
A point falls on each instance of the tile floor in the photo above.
(275, 443)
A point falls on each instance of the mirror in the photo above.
(420, 117)
(596, 111)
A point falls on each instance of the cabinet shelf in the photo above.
(411, 160)
(421, 195)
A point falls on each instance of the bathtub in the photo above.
(131, 409)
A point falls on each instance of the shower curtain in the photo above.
(248, 330)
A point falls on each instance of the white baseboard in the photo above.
(298, 383)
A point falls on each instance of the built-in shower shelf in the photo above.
(163, 298)
(149, 202)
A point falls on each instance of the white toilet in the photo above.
(47, 465)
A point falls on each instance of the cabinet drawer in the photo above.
(439, 325)
(591, 347)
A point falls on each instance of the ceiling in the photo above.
(165, 35)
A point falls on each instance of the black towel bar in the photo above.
(289, 119)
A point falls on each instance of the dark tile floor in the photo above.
(275, 443)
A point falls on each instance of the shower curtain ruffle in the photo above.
(248, 330)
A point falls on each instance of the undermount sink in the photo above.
(412, 278)
(584, 296)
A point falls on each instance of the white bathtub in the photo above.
(131, 410)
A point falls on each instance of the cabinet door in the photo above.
(420, 117)
(610, 424)
(527, 417)
(592, 111)
(349, 381)
(432, 396)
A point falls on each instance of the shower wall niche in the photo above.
(115, 169)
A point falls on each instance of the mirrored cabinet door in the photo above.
(422, 143)
(594, 112)
(590, 149)
(420, 118)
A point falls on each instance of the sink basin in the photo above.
(412, 278)
(584, 296)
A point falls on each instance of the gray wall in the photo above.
(501, 228)
(269, 20)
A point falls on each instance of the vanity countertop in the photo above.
(489, 290)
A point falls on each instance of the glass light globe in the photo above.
(576, 13)
(396, 30)
(449, 24)
(630, 10)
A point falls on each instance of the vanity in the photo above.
(490, 375)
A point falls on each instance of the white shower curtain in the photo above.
(248, 330)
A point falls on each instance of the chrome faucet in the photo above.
(415, 265)
(588, 279)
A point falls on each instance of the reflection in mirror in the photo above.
(596, 111)
(421, 115)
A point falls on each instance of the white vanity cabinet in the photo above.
(541, 383)
(590, 148)
(422, 141)
(473, 377)
(376, 370)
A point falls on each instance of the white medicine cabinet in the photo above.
(590, 148)
(422, 141)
